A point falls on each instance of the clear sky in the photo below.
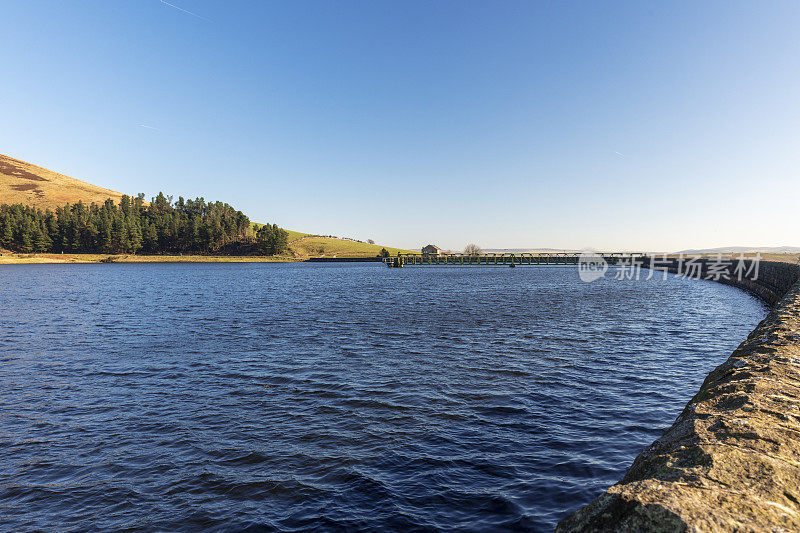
(612, 125)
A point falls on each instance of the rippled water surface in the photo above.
(337, 396)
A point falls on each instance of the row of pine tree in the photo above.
(191, 226)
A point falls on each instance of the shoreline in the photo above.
(39, 258)
(13, 258)
(728, 462)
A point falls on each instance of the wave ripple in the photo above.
(337, 397)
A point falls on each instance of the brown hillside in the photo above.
(23, 183)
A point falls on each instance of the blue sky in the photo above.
(618, 125)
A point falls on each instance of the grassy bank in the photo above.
(13, 259)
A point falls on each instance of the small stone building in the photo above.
(431, 250)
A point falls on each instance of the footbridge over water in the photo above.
(510, 259)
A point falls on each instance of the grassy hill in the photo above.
(318, 246)
(305, 245)
(24, 183)
(293, 235)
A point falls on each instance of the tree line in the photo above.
(160, 227)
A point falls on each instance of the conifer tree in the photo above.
(194, 226)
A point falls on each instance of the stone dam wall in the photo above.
(731, 460)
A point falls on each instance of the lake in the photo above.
(338, 396)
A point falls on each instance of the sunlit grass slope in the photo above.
(305, 245)
(24, 183)
(293, 235)
(312, 246)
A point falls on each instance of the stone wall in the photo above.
(731, 461)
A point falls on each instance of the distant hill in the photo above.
(721, 250)
(745, 249)
(24, 183)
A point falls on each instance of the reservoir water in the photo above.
(290, 397)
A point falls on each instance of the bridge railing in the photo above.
(521, 258)
(545, 258)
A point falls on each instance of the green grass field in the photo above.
(312, 246)
(293, 235)
(305, 245)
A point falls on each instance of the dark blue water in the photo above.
(298, 396)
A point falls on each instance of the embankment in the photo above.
(10, 258)
(731, 461)
(344, 259)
